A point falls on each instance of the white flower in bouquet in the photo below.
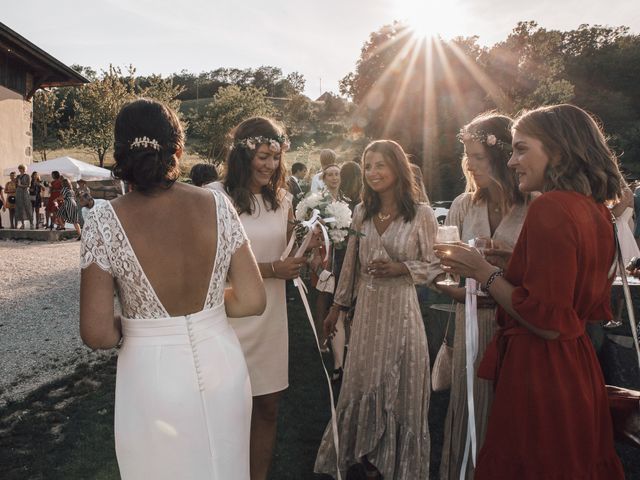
(306, 206)
(342, 214)
(335, 216)
(338, 236)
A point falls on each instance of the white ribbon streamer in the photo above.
(471, 334)
(302, 289)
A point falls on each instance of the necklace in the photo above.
(384, 218)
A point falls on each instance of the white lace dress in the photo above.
(183, 396)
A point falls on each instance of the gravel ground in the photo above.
(39, 308)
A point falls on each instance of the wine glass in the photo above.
(447, 234)
(375, 255)
(481, 244)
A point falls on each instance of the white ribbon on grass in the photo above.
(471, 341)
(316, 221)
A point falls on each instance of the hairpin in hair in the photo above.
(144, 142)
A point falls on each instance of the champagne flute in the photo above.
(375, 255)
(448, 234)
(481, 244)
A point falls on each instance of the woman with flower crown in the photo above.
(255, 183)
(550, 415)
(384, 399)
(492, 209)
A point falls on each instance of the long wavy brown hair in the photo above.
(238, 172)
(405, 191)
(503, 177)
(582, 160)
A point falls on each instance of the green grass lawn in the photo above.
(64, 430)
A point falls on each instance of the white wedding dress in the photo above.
(183, 396)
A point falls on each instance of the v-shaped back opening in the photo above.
(143, 273)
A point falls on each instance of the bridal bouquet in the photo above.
(333, 215)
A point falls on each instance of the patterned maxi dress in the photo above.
(384, 400)
(69, 209)
(472, 220)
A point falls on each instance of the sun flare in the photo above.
(428, 18)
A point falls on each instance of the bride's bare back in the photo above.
(174, 235)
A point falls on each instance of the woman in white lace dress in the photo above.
(183, 396)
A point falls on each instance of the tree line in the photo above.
(417, 92)
(421, 92)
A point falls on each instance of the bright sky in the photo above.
(320, 39)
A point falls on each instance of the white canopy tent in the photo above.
(68, 167)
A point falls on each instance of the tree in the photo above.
(46, 113)
(298, 113)
(230, 106)
(95, 109)
(419, 93)
(96, 105)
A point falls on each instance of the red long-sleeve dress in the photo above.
(550, 416)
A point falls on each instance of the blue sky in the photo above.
(320, 39)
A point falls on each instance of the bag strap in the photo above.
(446, 330)
(625, 288)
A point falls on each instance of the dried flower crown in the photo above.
(276, 144)
(488, 139)
(144, 142)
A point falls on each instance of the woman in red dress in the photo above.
(550, 416)
(52, 204)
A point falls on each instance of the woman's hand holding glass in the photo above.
(463, 260)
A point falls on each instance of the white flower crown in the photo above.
(489, 139)
(276, 145)
(144, 142)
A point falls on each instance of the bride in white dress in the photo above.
(183, 395)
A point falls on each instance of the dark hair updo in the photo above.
(148, 135)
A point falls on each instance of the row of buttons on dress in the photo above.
(194, 351)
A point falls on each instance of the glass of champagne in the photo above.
(375, 255)
(481, 244)
(448, 234)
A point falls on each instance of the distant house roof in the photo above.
(47, 71)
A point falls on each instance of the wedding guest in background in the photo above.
(492, 209)
(331, 180)
(384, 398)
(23, 203)
(203, 173)
(68, 211)
(298, 172)
(351, 183)
(183, 398)
(10, 195)
(55, 191)
(2, 203)
(417, 175)
(254, 181)
(327, 157)
(550, 414)
(83, 187)
(35, 195)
